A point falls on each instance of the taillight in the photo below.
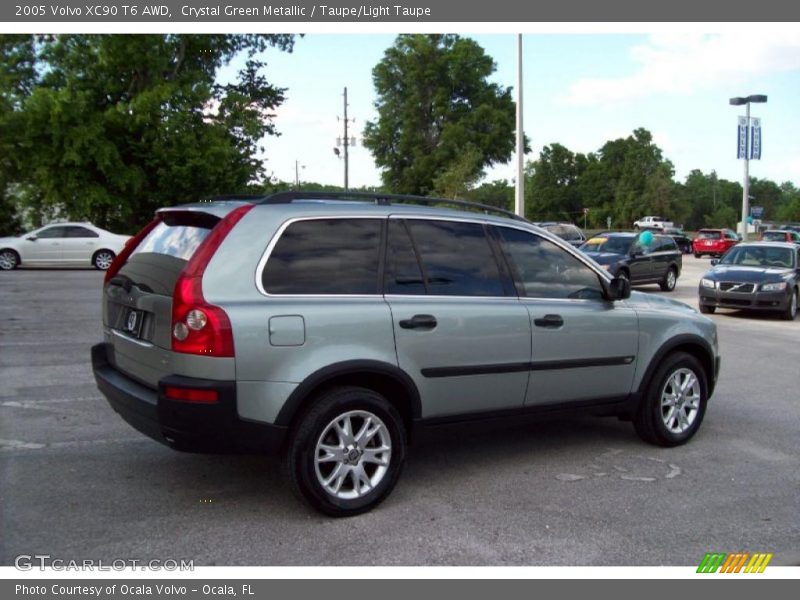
(197, 326)
(128, 248)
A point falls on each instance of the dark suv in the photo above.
(331, 327)
(626, 255)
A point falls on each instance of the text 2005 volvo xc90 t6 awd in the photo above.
(329, 327)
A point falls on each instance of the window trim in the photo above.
(487, 225)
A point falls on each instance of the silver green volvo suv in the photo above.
(331, 327)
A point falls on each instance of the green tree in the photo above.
(499, 193)
(434, 101)
(551, 185)
(112, 126)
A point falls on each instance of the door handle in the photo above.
(550, 321)
(419, 322)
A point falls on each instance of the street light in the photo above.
(739, 101)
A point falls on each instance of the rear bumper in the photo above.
(183, 425)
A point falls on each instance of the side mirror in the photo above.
(619, 289)
(714, 262)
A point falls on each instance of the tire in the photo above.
(696, 255)
(670, 280)
(657, 420)
(330, 485)
(623, 274)
(102, 259)
(791, 308)
(9, 259)
(707, 310)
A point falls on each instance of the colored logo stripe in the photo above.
(733, 563)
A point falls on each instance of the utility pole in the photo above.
(519, 198)
(297, 167)
(346, 142)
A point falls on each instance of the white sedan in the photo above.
(62, 244)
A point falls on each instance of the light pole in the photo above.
(297, 167)
(519, 192)
(755, 99)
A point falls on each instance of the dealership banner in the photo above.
(401, 11)
(755, 139)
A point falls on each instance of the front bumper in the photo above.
(183, 425)
(768, 301)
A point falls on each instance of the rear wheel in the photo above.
(102, 259)
(791, 309)
(346, 453)
(670, 279)
(9, 259)
(674, 403)
(696, 255)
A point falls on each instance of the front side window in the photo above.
(51, 232)
(325, 256)
(544, 270)
(456, 258)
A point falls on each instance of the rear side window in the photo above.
(775, 236)
(456, 257)
(325, 256)
(79, 232)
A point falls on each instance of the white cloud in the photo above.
(679, 64)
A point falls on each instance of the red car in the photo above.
(715, 242)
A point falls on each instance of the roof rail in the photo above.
(382, 199)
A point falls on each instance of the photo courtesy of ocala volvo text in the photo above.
(332, 327)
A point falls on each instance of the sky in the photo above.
(579, 90)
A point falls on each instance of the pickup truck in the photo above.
(652, 223)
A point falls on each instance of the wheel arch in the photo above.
(693, 345)
(384, 378)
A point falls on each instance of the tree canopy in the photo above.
(109, 127)
(439, 117)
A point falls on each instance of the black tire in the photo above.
(9, 259)
(300, 461)
(102, 259)
(707, 310)
(649, 420)
(696, 255)
(623, 274)
(791, 307)
(670, 280)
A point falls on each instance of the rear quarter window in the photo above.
(325, 257)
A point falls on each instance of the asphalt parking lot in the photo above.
(76, 482)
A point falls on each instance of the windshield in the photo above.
(616, 245)
(708, 235)
(759, 256)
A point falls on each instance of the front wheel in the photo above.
(346, 453)
(674, 403)
(102, 259)
(9, 260)
(791, 309)
(670, 279)
(707, 309)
